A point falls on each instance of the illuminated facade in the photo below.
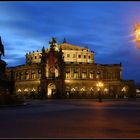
(68, 71)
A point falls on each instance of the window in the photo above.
(79, 56)
(84, 75)
(39, 73)
(67, 74)
(21, 76)
(33, 75)
(97, 76)
(26, 75)
(75, 75)
(91, 75)
(17, 76)
(84, 56)
(74, 55)
(35, 57)
(68, 55)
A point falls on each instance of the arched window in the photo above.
(67, 74)
(91, 75)
(84, 75)
(21, 76)
(98, 75)
(75, 74)
(26, 75)
(39, 73)
(33, 75)
(17, 76)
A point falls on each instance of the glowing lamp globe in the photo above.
(137, 34)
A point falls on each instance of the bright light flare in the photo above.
(137, 34)
(100, 84)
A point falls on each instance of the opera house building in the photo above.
(68, 71)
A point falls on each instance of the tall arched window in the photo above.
(21, 76)
(84, 75)
(39, 73)
(75, 74)
(33, 75)
(26, 75)
(17, 76)
(91, 75)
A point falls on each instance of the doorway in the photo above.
(51, 90)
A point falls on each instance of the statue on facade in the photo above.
(1, 49)
(64, 41)
(53, 42)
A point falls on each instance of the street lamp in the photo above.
(137, 34)
(99, 86)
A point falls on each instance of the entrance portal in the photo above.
(51, 89)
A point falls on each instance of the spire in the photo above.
(43, 49)
(43, 57)
(64, 41)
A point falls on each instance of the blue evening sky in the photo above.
(104, 27)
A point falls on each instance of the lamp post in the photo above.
(99, 86)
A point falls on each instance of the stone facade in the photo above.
(68, 71)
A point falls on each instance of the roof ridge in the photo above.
(71, 45)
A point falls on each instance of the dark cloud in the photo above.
(104, 27)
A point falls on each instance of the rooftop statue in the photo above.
(53, 42)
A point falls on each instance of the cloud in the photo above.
(104, 27)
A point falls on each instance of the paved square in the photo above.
(72, 119)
